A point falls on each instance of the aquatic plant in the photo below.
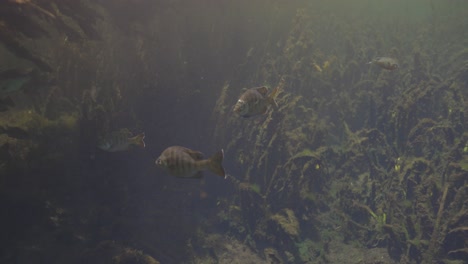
(287, 221)
(354, 154)
(375, 147)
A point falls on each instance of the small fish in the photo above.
(186, 163)
(385, 63)
(255, 101)
(13, 80)
(121, 141)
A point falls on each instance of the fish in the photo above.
(13, 85)
(183, 162)
(385, 63)
(121, 141)
(13, 80)
(255, 101)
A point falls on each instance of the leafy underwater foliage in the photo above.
(48, 139)
(356, 152)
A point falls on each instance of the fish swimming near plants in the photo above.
(121, 141)
(187, 163)
(255, 101)
(13, 80)
(385, 63)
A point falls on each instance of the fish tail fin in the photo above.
(138, 140)
(215, 164)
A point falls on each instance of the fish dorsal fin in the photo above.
(196, 155)
(123, 131)
(262, 90)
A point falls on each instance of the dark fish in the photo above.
(13, 80)
(386, 63)
(186, 163)
(255, 101)
(121, 141)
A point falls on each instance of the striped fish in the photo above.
(121, 141)
(255, 101)
(386, 63)
(186, 163)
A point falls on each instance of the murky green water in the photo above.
(361, 157)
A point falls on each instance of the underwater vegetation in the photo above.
(354, 153)
(54, 111)
(356, 164)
